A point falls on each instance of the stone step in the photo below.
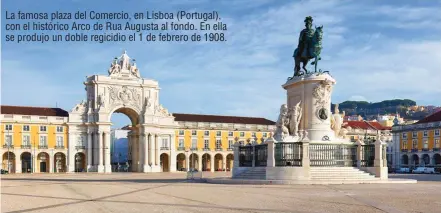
(342, 175)
(367, 175)
(338, 173)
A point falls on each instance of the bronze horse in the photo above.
(314, 49)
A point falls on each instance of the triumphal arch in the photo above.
(122, 91)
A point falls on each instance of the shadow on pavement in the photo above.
(418, 177)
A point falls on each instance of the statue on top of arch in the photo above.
(124, 67)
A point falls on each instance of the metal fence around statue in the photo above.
(367, 155)
(261, 155)
(330, 155)
(288, 154)
(245, 156)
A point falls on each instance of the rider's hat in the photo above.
(308, 19)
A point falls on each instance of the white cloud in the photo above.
(244, 75)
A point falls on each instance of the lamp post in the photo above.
(8, 144)
(32, 159)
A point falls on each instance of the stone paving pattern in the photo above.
(171, 192)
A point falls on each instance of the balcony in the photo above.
(230, 149)
(404, 150)
(194, 149)
(8, 146)
(414, 150)
(59, 147)
(165, 148)
(435, 149)
(42, 146)
(219, 149)
(26, 146)
(425, 149)
(181, 149)
(80, 147)
(206, 149)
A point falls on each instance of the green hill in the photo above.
(367, 109)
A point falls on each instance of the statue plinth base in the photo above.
(314, 91)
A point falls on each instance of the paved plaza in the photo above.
(171, 192)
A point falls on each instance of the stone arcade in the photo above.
(123, 91)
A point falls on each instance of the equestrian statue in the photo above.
(309, 47)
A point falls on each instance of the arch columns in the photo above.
(100, 152)
(173, 155)
(70, 154)
(89, 151)
(107, 163)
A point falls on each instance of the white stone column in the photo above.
(143, 147)
(107, 163)
(70, 154)
(359, 152)
(224, 162)
(141, 142)
(187, 160)
(212, 160)
(157, 145)
(305, 159)
(17, 162)
(150, 149)
(380, 163)
(100, 152)
(95, 150)
(172, 157)
(199, 163)
(270, 161)
(89, 151)
(51, 162)
(236, 155)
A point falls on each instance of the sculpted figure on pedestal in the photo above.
(295, 117)
(337, 121)
(309, 47)
(282, 123)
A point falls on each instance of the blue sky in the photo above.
(376, 50)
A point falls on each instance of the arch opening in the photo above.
(8, 162)
(164, 162)
(125, 156)
(26, 162)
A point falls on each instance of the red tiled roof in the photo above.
(24, 110)
(222, 119)
(365, 125)
(431, 118)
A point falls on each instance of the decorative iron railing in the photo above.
(8, 146)
(330, 155)
(367, 155)
(288, 154)
(42, 146)
(181, 148)
(261, 155)
(245, 156)
(25, 146)
(165, 148)
(59, 147)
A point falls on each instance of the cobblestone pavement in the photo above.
(170, 192)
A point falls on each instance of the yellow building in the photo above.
(206, 141)
(34, 139)
(419, 143)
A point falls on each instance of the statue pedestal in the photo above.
(314, 91)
